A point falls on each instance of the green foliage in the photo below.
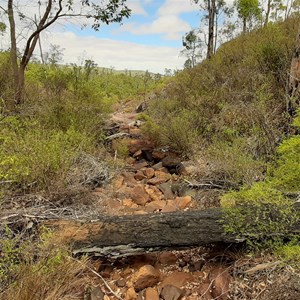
(262, 213)
(232, 104)
(290, 253)
(28, 156)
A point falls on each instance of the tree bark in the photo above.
(267, 13)
(13, 45)
(211, 25)
(151, 231)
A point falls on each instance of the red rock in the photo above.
(158, 154)
(139, 175)
(178, 279)
(221, 280)
(128, 202)
(160, 177)
(138, 153)
(129, 179)
(166, 189)
(140, 212)
(170, 206)
(151, 294)
(135, 145)
(154, 193)
(147, 276)
(170, 292)
(204, 292)
(140, 165)
(149, 172)
(139, 195)
(155, 205)
(183, 202)
(167, 258)
(130, 294)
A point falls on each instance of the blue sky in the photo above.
(151, 39)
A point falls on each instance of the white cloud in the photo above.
(171, 26)
(176, 7)
(120, 54)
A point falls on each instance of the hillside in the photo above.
(222, 134)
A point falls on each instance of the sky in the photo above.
(151, 39)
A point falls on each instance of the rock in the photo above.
(106, 298)
(151, 294)
(158, 154)
(157, 166)
(97, 294)
(135, 144)
(141, 165)
(197, 266)
(154, 193)
(121, 283)
(129, 179)
(170, 206)
(139, 175)
(183, 202)
(128, 202)
(138, 154)
(130, 294)
(160, 177)
(167, 258)
(139, 195)
(147, 276)
(171, 292)
(221, 280)
(148, 172)
(156, 205)
(166, 189)
(204, 292)
(178, 279)
(173, 164)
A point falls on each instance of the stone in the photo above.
(158, 155)
(147, 276)
(183, 202)
(204, 291)
(167, 258)
(149, 172)
(173, 164)
(129, 179)
(121, 283)
(221, 280)
(140, 165)
(170, 206)
(166, 189)
(157, 166)
(160, 177)
(171, 292)
(154, 193)
(151, 294)
(135, 144)
(139, 195)
(138, 154)
(128, 202)
(130, 294)
(106, 298)
(178, 279)
(139, 175)
(156, 205)
(97, 294)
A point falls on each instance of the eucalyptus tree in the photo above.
(17, 14)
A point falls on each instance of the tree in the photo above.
(54, 55)
(210, 7)
(247, 11)
(192, 44)
(107, 12)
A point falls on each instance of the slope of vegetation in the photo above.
(62, 117)
(230, 110)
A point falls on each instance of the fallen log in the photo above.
(126, 235)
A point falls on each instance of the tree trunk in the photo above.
(294, 80)
(13, 46)
(211, 25)
(267, 13)
(153, 231)
(244, 25)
